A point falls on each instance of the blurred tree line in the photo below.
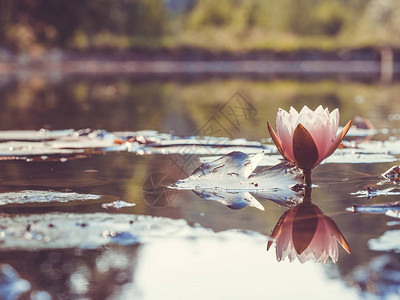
(34, 26)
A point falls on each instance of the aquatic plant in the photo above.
(307, 137)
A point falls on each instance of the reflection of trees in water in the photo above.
(112, 105)
(76, 273)
(184, 106)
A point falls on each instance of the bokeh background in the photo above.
(108, 64)
(35, 27)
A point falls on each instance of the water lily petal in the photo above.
(285, 134)
(333, 125)
(277, 141)
(336, 142)
(319, 134)
(305, 110)
(304, 149)
(293, 117)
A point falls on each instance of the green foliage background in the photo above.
(34, 26)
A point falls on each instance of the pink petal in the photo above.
(319, 134)
(277, 142)
(333, 146)
(293, 116)
(285, 134)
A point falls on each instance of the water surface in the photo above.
(198, 248)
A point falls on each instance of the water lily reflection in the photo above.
(306, 233)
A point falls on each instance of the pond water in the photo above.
(86, 215)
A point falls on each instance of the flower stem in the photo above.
(307, 195)
(307, 177)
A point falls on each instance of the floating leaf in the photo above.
(351, 156)
(33, 135)
(393, 174)
(29, 144)
(118, 204)
(280, 176)
(389, 209)
(231, 171)
(88, 231)
(267, 160)
(373, 192)
(33, 197)
(229, 180)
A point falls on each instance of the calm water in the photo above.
(220, 252)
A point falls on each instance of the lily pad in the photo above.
(234, 172)
(393, 174)
(34, 135)
(118, 204)
(29, 144)
(389, 209)
(351, 156)
(230, 180)
(39, 197)
(230, 171)
(373, 192)
(88, 231)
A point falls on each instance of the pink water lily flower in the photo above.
(306, 233)
(307, 137)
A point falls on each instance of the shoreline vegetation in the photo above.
(206, 36)
(369, 63)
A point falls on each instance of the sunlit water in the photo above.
(199, 248)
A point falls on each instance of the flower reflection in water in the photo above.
(306, 233)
